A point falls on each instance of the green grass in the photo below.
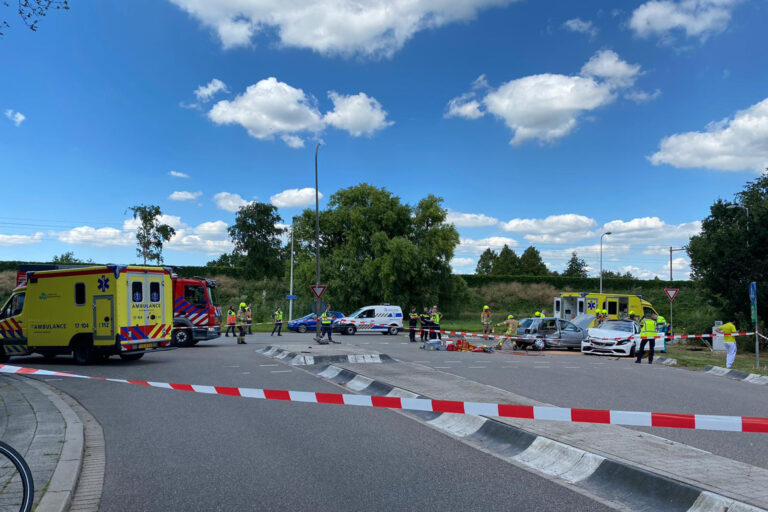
(698, 357)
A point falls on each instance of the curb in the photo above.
(610, 480)
(752, 378)
(295, 359)
(667, 361)
(61, 487)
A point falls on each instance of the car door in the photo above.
(570, 335)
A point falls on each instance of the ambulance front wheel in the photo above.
(182, 338)
(131, 357)
(82, 352)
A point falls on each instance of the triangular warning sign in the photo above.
(671, 293)
(318, 289)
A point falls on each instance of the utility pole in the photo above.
(290, 292)
(671, 250)
(601, 259)
(317, 244)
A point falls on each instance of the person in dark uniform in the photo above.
(426, 323)
(413, 322)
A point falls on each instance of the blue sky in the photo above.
(539, 123)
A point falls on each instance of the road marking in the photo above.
(269, 365)
(385, 343)
(442, 367)
(280, 371)
(452, 361)
(421, 361)
(573, 366)
(246, 373)
(478, 367)
(234, 366)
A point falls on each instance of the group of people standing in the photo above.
(430, 323)
(240, 319)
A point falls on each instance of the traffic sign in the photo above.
(291, 297)
(319, 307)
(671, 293)
(753, 292)
(318, 289)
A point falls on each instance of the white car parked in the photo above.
(386, 319)
(616, 338)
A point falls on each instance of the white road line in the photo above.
(442, 367)
(478, 367)
(421, 361)
(269, 365)
(246, 373)
(280, 371)
(234, 366)
(452, 361)
(573, 366)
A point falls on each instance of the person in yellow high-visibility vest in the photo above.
(231, 321)
(648, 335)
(729, 341)
(326, 320)
(278, 318)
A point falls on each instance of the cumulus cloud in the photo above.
(639, 96)
(294, 197)
(555, 229)
(270, 107)
(97, 237)
(209, 237)
(183, 195)
(465, 263)
(470, 220)
(358, 114)
(581, 26)
(649, 229)
(365, 27)
(206, 92)
(739, 143)
(177, 174)
(697, 18)
(8, 240)
(547, 107)
(16, 117)
(472, 246)
(229, 201)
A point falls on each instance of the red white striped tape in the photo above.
(601, 416)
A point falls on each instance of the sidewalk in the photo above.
(47, 433)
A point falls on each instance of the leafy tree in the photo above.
(531, 263)
(732, 251)
(151, 234)
(617, 275)
(228, 261)
(486, 262)
(257, 240)
(374, 249)
(68, 258)
(576, 267)
(507, 263)
(31, 11)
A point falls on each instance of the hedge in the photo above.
(577, 283)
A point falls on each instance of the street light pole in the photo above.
(601, 259)
(317, 242)
(671, 250)
(757, 341)
(290, 301)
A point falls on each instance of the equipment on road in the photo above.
(19, 469)
(91, 312)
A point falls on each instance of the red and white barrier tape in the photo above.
(601, 416)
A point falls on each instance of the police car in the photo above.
(381, 318)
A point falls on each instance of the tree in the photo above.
(68, 258)
(732, 250)
(507, 263)
(374, 249)
(227, 260)
(257, 240)
(486, 262)
(151, 234)
(617, 275)
(576, 267)
(531, 263)
(31, 11)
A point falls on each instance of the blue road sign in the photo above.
(753, 292)
(291, 297)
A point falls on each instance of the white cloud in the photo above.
(736, 144)
(639, 96)
(97, 237)
(469, 245)
(649, 229)
(269, 108)
(367, 27)
(206, 92)
(293, 141)
(7, 240)
(208, 237)
(463, 263)
(16, 117)
(555, 229)
(547, 106)
(581, 26)
(294, 197)
(470, 220)
(177, 174)
(697, 18)
(358, 114)
(228, 201)
(172, 220)
(183, 195)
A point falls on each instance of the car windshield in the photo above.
(618, 326)
(213, 296)
(526, 322)
(356, 313)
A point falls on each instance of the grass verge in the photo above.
(698, 357)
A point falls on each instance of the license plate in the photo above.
(146, 345)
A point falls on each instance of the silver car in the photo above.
(558, 333)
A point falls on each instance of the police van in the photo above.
(381, 318)
(91, 312)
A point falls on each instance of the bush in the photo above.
(7, 283)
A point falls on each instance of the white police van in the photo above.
(381, 318)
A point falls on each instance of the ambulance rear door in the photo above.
(146, 304)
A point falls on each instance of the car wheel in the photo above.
(3, 356)
(181, 338)
(632, 352)
(350, 330)
(131, 357)
(393, 331)
(302, 328)
(82, 352)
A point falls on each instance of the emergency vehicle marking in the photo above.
(185, 309)
(103, 283)
(144, 332)
(10, 329)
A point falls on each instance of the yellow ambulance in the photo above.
(91, 312)
(618, 305)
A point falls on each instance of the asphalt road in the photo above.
(172, 450)
(570, 379)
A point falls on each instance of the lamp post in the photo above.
(601, 259)
(317, 243)
(290, 292)
(757, 341)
